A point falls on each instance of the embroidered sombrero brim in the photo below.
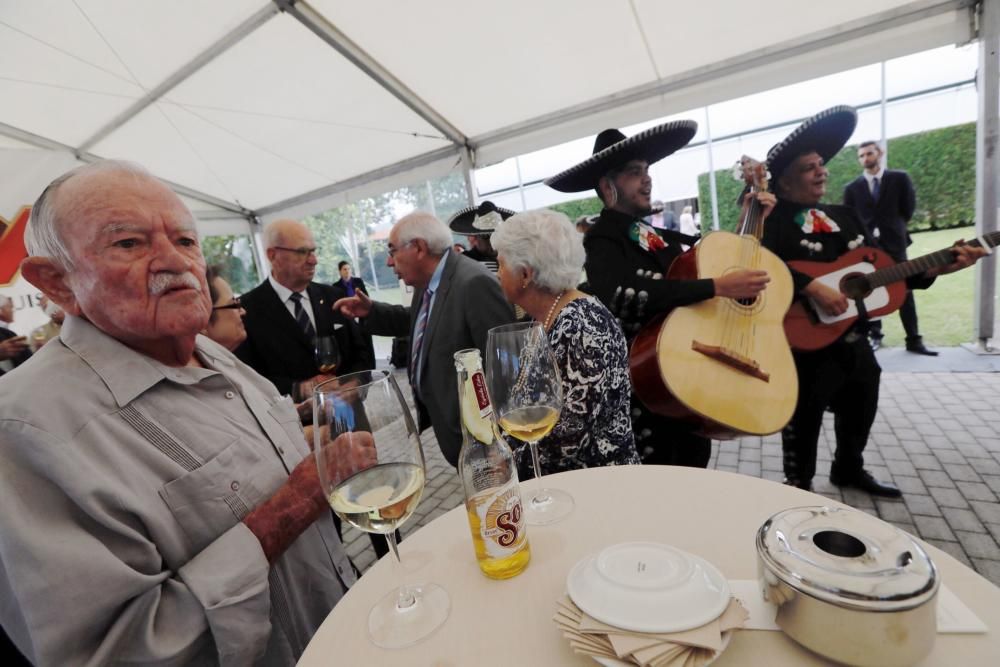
(479, 220)
(651, 145)
(826, 133)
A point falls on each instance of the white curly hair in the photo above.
(544, 241)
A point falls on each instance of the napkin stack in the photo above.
(689, 648)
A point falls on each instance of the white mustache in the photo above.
(161, 282)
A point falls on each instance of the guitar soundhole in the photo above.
(855, 286)
(747, 302)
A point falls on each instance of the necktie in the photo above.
(875, 189)
(302, 317)
(418, 339)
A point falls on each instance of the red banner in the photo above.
(12, 249)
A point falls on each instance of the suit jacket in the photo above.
(6, 333)
(340, 292)
(277, 348)
(358, 283)
(890, 214)
(468, 303)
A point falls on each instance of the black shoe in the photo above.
(798, 483)
(863, 480)
(916, 346)
(876, 343)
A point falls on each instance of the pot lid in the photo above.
(847, 557)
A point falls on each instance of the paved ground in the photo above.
(936, 435)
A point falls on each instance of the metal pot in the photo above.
(849, 586)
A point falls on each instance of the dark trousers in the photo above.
(664, 441)
(843, 377)
(907, 313)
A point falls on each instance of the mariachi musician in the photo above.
(628, 259)
(843, 376)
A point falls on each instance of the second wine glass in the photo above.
(377, 493)
(526, 387)
(327, 354)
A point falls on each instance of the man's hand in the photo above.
(279, 520)
(302, 392)
(741, 284)
(358, 305)
(965, 256)
(766, 199)
(12, 347)
(829, 300)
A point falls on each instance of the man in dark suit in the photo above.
(288, 311)
(884, 200)
(456, 300)
(13, 348)
(348, 285)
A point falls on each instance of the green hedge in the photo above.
(574, 209)
(942, 164)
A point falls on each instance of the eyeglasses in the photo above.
(235, 303)
(392, 251)
(301, 252)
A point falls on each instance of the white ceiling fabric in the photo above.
(253, 106)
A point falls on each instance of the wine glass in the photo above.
(380, 493)
(327, 354)
(526, 388)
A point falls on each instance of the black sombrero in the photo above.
(613, 149)
(479, 220)
(826, 133)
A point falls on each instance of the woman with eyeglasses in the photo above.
(226, 324)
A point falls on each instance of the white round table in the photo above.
(706, 512)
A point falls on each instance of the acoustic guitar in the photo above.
(723, 364)
(866, 274)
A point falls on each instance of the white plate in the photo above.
(648, 587)
(611, 662)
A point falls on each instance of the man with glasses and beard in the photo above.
(160, 504)
(628, 259)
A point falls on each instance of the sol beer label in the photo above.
(482, 395)
(501, 522)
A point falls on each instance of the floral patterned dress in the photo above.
(594, 428)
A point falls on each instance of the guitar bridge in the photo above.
(732, 359)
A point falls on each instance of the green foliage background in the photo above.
(942, 164)
(574, 209)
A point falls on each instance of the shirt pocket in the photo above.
(211, 499)
(283, 411)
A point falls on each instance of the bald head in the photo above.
(291, 250)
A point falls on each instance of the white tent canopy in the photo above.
(286, 108)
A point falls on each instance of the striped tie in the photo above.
(418, 339)
(302, 317)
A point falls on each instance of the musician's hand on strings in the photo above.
(965, 256)
(829, 300)
(741, 284)
(767, 201)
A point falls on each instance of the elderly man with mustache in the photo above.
(160, 504)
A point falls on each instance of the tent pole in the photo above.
(713, 192)
(468, 162)
(987, 168)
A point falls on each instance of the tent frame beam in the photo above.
(987, 169)
(259, 17)
(893, 18)
(362, 179)
(329, 33)
(50, 144)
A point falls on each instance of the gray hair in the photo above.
(422, 225)
(42, 236)
(544, 241)
(274, 233)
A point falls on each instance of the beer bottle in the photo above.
(489, 477)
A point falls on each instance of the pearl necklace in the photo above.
(552, 309)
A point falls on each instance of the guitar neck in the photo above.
(904, 270)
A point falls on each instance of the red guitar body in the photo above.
(803, 327)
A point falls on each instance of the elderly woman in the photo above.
(226, 324)
(540, 254)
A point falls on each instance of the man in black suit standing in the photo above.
(884, 200)
(348, 285)
(13, 348)
(288, 311)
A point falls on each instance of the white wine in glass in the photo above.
(524, 381)
(378, 494)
